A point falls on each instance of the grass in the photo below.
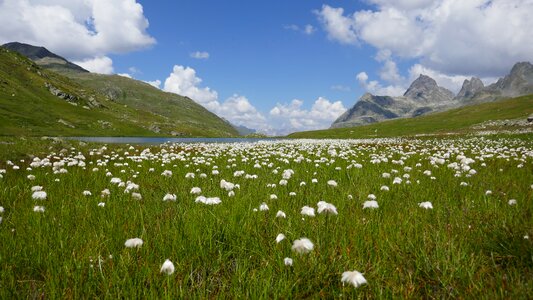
(457, 120)
(471, 245)
(28, 108)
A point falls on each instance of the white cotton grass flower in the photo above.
(512, 202)
(101, 204)
(170, 197)
(134, 243)
(370, 204)
(39, 195)
(287, 261)
(384, 188)
(105, 193)
(371, 197)
(273, 197)
(326, 208)
(308, 211)
(488, 192)
(189, 175)
(332, 183)
(426, 205)
(38, 208)
(354, 278)
(36, 188)
(280, 214)
(167, 267)
(280, 238)
(208, 200)
(167, 173)
(526, 237)
(302, 246)
(136, 196)
(87, 193)
(1, 209)
(31, 177)
(196, 190)
(263, 207)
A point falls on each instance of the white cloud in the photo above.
(124, 75)
(337, 26)
(453, 37)
(292, 117)
(76, 29)
(155, 83)
(240, 111)
(374, 87)
(101, 64)
(200, 55)
(183, 81)
(307, 29)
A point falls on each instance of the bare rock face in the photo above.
(470, 88)
(425, 90)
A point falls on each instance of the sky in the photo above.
(280, 66)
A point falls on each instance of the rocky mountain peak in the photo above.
(522, 68)
(426, 90)
(470, 88)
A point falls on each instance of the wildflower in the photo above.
(105, 193)
(292, 194)
(303, 245)
(1, 209)
(512, 202)
(86, 193)
(263, 207)
(167, 267)
(37, 208)
(170, 197)
(283, 182)
(384, 188)
(488, 192)
(397, 180)
(36, 188)
(208, 201)
(189, 175)
(228, 186)
(526, 237)
(308, 211)
(136, 196)
(426, 205)
(31, 177)
(167, 173)
(134, 243)
(332, 183)
(39, 195)
(370, 204)
(385, 175)
(231, 193)
(287, 261)
(196, 190)
(327, 208)
(354, 278)
(463, 184)
(101, 204)
(371, 197)
(280, 237)
(273, 197)
(280, 214)
(314, 180)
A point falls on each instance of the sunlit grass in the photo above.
(471, 244)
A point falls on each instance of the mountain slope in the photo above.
(131, 101)
(425, 96)
(459, 120)
(34, 101)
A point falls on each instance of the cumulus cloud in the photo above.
(453, 37)
(100, 64)
(376, 88)
(200, 55)
(290, 117)
(240, 111)
(76, 29)
(155, 83)
(183, 81)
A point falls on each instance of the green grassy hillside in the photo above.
(183, 111)
(27, 107)
(457, 120)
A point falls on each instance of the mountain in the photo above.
(131, 101)
(43, 57)
(425, 96)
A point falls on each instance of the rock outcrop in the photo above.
(470, 88)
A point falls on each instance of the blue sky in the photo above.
(280, 66)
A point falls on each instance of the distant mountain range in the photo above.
(425, 96)
(72, 101)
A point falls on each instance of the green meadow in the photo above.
(474, 243)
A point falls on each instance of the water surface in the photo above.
(160, 140)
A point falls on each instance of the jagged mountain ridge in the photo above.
(425, 96)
